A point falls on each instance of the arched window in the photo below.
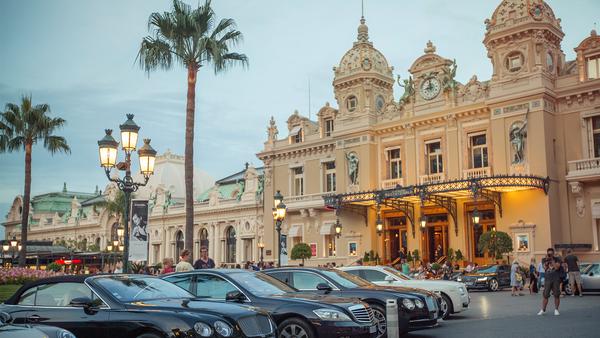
(178, 242)
(83, 245)
(98, 243)
(230, 244)
(204, 238)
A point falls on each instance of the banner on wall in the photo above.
(284, 252)
(138, 240)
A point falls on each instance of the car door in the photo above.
(52, 307)
(375, 276)
(591, 280)
(185, 282)
(308, 281)
(212, 287)
(503, 275)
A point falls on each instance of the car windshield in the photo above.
(486, 269)
(345, 279)
(138, 288)
(260, 284)
(397, 273)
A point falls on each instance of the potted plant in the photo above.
(301, 251)
(495, 243)
(459, 257)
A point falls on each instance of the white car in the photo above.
(455, 297)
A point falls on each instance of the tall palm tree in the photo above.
(21, 127)
(191, 38)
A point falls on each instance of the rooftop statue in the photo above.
(409, 89)
(352, 158)
(448, 77)
(517, 134)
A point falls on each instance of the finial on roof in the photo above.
(363, 31)
(430, 47)
(96, 191)
(247, 165)
(594, 33)
(64, 187)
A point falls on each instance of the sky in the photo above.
(79, 57)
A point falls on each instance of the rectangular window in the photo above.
(298, 137)
(596, 135)
(298, 181)
(329, 245)
(329, 176)
(593, 67)
(478, 151)
(434, 158)
(394, 164)
(328, 127)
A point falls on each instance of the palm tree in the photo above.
(193, 39)
(21, 127)
(115, 206)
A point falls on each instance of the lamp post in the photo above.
(108, 148)
(279, 212)
(476, 216)
(261, 246)
(338, 228)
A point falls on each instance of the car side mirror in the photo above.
(324, 287)
(83, 302)
(235, 296)
(5, 318)
(389, 279)
(591, 274)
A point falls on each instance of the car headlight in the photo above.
(482, 279)
(334, 315)
(419, 303)
(409, 304)
(459, 279)
(65, 334)
(462, 290)
(203, 329)
(223, 328)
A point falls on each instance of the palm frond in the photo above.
(155, 53)
(56, 143)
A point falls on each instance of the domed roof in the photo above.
(363, 57)
(515, 12)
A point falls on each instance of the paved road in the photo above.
(500, 315)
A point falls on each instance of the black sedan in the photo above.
(489, 277)
(9, 330)
(296, 314)
(416, 308)
(131, 306)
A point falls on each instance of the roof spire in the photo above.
(363, 30)
(64, 187)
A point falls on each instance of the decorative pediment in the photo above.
(327, 112)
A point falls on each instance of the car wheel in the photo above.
(445, 307)
(568, 290)
(295, 328)
(380, 320)
(493, 285)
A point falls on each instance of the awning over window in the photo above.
(326, 229)
(295, 231)
(295, 130)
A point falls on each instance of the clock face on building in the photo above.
(430, 88)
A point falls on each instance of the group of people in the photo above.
(205, 262)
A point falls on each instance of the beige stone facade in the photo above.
(537, 117)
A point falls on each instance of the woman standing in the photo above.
(533, 276)
(516, 279)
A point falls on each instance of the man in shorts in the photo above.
(552, 271)
(574, 274)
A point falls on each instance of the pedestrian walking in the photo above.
(533, 277)
(184, 264)
(204, 262)
(574, 274)
(552, 272)
(516, 279)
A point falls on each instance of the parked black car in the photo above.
(490, 277)
(296, 314)
(131, 306)
(416, 308)
(9, 330)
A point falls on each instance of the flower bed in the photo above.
(22, 275)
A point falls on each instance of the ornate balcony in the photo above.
(433, 178)
(477, 173)
(304, 201)
(582, 170)
(392, 183)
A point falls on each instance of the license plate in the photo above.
(373, 329)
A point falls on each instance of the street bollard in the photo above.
(393, 330)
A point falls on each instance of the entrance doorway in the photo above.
(434, 239)
(487, 222)
(396, 239)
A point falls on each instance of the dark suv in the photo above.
(416, 308)
(490, 277)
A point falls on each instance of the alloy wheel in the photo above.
(493, 285)
(381, 323)
(293, 331)
(444, 308)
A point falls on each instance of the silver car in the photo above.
(590, 278)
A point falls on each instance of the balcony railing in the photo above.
(588, 168)
(477, 172)
(392, 183)
(304, 198)
(433, 178)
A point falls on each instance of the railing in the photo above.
(304, 198)
(433, 178)
(590, 166)
(477, 172)
(392, 183)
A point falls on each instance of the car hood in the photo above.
(397, 289)
(234, 311)
(310, 297)
(431, 284)
(479, 275)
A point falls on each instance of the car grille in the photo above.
(363, 314)
(430, 303)
(258, 325)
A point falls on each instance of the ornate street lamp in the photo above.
(14, 242)
(5, 247)
(108, 147)
(278, 215)
(379, 225)
(338, 228)
(109, 248)
(423, 222)
(476, 217)
(261, 246)
(120, 232)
